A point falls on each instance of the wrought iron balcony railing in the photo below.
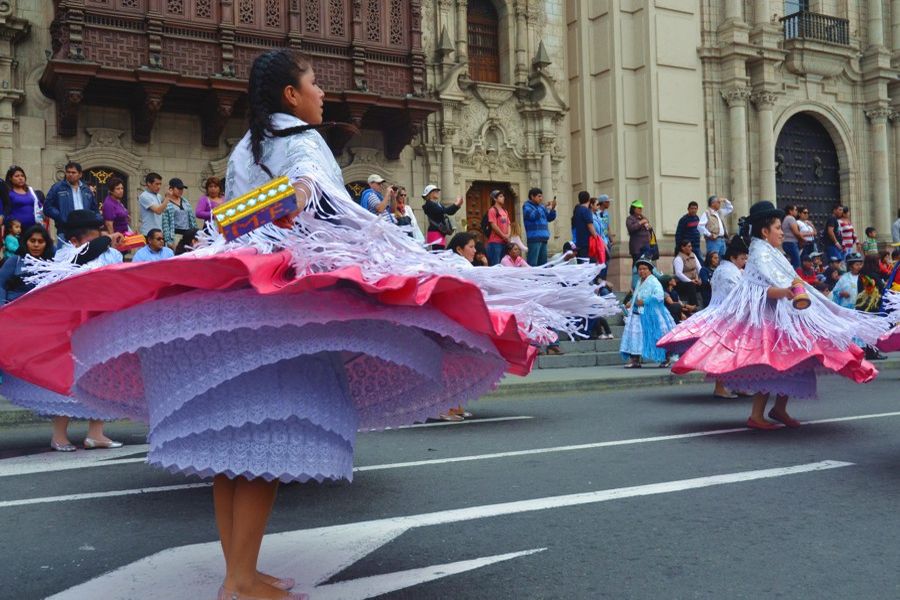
(805, 25)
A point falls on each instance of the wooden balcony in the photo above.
(194, 56)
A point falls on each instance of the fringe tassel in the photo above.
(330, 235)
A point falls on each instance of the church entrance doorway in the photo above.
(478, 201)
(807, 169)
(99, 177)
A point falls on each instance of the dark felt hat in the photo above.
(645, 260)
(764, 210)
(83, 219)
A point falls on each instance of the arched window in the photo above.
(484, 41)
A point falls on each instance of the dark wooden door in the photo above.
(100, 176)
(478, 201)
(807, 170)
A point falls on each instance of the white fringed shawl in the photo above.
(767, 267)
(892, 306)
(544, 299)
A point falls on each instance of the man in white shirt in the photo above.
(712, 224)
(152, 206)
(895, 229)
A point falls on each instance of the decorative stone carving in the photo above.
(736, 96)
(879, 115)
(105, 138)
(810, 57)
(219, 107)
(764, 99)
(146, 104)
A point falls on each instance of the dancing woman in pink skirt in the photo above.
(772, 333)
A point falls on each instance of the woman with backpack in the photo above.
(498, 222)
(439, 225)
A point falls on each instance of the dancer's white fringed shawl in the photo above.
(545, 299)
(766, 268)
(726, 277)
(892, 306)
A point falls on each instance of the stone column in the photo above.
(895, 121)
(761, 12)
(734, 11)
(895, 25)
(765, 102)
(462, 31)
(521, 46)
(736, 98)
(547, 143)
(447, 184)
(881, 187)
(876, 23)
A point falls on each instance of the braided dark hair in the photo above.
(270, 74)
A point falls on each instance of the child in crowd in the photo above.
(11, 242)
(513, 257)
(870, 245)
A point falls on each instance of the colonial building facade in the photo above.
(665, 101)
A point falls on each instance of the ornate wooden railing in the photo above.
(195, 55)
(805, 25)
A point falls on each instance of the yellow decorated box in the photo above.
(254, 209)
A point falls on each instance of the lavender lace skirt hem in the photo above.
(50, 404)
(796, 384)
(276, 387)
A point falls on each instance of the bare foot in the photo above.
(256, 589)
(271, 580)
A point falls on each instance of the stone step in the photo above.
(575, 360)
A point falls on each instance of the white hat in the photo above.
(375, 178)
(428, 189)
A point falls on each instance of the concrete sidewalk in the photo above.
(541, 381)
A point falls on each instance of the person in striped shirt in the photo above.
(850, 242)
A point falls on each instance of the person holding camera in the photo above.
(375, 200)
(439, 225)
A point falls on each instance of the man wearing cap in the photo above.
(712, 225)
(66, 196)
(374, 199)
(152, 206)
(807, 269)
(438, 215)
(537, 216)
(178, 217)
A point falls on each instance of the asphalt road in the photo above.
(644, 493)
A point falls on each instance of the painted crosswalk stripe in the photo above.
(50, 462)
(314, 556)
(456, 423)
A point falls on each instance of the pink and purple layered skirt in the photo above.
(244, 370)
(758, 358)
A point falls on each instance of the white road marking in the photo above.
(63, 461)
(95, 495)
(48, 462)
(312, 556)
(466, 422)
(376, 585)
(422, 463)
(595, 445)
